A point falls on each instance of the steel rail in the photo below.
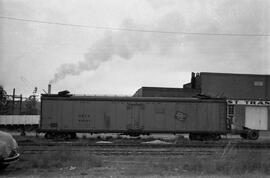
(119, 151)
(109, 151)
(251, 145)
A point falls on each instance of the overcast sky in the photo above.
(128, 44)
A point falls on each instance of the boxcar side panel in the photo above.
(148, 116)
(83, 116)
(222, 117)
(105, 115)
(207, 117)
(66, 120)
(94, 115)
(98, 112)
(185, 115)
(46, 109)
(171, 116)
(159, 118)
(51, 112)
(123, 122)
(200, 117)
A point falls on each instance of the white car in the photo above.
(8, 150)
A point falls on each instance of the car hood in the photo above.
(7, 144)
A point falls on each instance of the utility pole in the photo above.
(13, 101)
(20, 104)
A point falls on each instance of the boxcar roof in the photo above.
(234, 74)
(129, 98)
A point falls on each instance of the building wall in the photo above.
(245, 90)
(240, 117)
(235, 86)
(165, 92)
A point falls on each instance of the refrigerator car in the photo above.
(68, 115)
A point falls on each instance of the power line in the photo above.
(135, 30)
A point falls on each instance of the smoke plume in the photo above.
(200, 51)
(124, 44)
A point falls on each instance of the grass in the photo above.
(230, 162)
(233, 162)
(238, 164)
(60, 159)
(193, 166)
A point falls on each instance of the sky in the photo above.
(113, 47)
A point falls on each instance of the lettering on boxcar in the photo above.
(85, 118)
(180, 116)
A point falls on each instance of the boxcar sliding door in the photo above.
(136, 112)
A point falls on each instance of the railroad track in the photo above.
(138, 151)
(128, 152)
(118, 151)
(176, 149)
(188, 144)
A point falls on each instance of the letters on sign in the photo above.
(248, 102)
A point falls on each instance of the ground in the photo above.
(122, 166)
(225, 162)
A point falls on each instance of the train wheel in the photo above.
(216, 136)
(134, 134)
(48, 135)
(23, 133)
(243, 135)
(199, 137)
(64, 136)
(253, 135)
(192, 136)
(71, 135)
(60, 136)
(204, 136)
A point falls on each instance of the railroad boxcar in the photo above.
(68, 115)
